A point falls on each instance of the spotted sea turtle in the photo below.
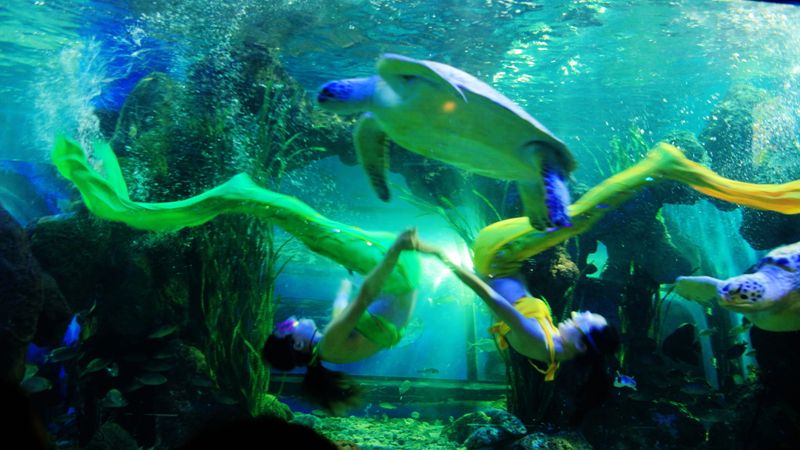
(446, 114)
(768, 297)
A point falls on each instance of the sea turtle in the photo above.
(768, 297)
(446, 114)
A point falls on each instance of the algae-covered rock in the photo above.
(484, 429)
(73, 249)
(551, 273)
(111, 436)
(308, 420)
(729, 132)
(32, 308)
(559, 441)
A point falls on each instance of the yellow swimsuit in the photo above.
(532, 308)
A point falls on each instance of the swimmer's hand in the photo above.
(407, 240)
(430, 249)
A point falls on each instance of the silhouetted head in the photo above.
(291, 344)
(347, 96)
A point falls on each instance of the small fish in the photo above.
(114, 399)
(735, 350)
(696, 388)
(387, 405)
(96, 365)
(134, 385)
(36, 384)
(156, 365)
(113, 369)
(134, 358)
(484, 345)
(404, 387)
(162, 332)
(152, 379)
(30, 371)
(707, 331)
(429, 371)
(739, 329)
(163, 355)
(219, 397)
(640, 397)
(415, 414)
(62, 354)
(621, 381)
(200, 381)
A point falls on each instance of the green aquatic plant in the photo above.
(238, 302)
(622, 152)
(238, 306)
(467, 220)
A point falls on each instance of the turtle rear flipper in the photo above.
(372, 150)
(698, 289)
(545, 196)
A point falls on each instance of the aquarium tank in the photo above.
(422, 224)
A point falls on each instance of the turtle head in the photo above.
(347, 96)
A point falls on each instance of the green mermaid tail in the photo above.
(107, 197)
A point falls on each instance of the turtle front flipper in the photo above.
(371, 148)
(699, 289)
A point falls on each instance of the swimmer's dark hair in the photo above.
(334, 391)
(600, 344)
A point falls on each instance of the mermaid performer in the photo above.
(499, 248)
(372, 322)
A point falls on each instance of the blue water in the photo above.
(588, 70)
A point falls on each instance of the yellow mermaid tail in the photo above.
(107, 197)
(501, 247)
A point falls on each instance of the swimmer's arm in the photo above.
(501, 307)
(344, 323)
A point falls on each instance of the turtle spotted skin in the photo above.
(769, 297)
(446, 114)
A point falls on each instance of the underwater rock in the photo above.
(658, 424)
(645, 241)
(308, 420)
(551, 273)
(682, 345)
(678, 193)
(729, 133)
(764, 230)
(484, 429)
(32, 308)
(559, 441)
(151, 114)
(73, 249)
(111, 436)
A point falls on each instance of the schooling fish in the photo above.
(622, 381)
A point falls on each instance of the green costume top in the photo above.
(378, 330)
